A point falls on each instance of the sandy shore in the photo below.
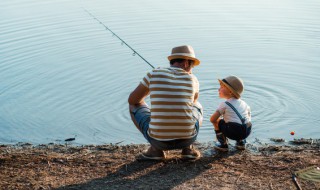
(112, 166)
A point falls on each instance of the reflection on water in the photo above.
(63, 74)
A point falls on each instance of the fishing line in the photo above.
(122, 41)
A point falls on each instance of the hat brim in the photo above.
(196, 61)
(230, 88)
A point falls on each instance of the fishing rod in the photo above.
(123, 42)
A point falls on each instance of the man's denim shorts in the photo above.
(142, 116)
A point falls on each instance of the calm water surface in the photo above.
(63, 74)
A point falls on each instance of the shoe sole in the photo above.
(240, 147)
(189, 157)
(144, 157)
(221, 149)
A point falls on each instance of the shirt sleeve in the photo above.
(196, 86)
(221, 108)
(146, 80)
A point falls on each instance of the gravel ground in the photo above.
(112, 166)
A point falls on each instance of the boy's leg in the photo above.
(223, 146)
(241, 144)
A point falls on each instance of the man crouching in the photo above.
(175, 116)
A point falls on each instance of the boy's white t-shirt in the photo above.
(230, 116)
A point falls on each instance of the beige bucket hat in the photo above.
(234, 84)
(184, 52)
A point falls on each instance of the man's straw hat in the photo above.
(234, 84)
(184, 52)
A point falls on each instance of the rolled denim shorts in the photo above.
(142, 116)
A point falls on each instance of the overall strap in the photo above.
(235, 110)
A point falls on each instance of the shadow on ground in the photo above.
(151, 174)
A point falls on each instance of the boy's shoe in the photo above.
(221, 147)
(241, 145)
(152, 154)
(190, 153)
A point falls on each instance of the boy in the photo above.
(232, 118)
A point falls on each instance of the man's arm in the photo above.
(136, 99)
(138, 95)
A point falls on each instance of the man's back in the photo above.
(172, 92)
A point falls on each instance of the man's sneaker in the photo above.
(152, 154)
(241, 145)
(190, 153)
(221, 147)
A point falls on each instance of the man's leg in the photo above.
(189, 151)
(140, 115)
(198, 112)
(133, 109)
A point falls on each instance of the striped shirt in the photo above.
(172, 92)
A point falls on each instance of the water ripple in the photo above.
(63, 74)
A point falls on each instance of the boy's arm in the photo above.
(214, 119)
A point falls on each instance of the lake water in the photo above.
(62, 74)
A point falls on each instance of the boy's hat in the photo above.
(234, 84)
(184, 52)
